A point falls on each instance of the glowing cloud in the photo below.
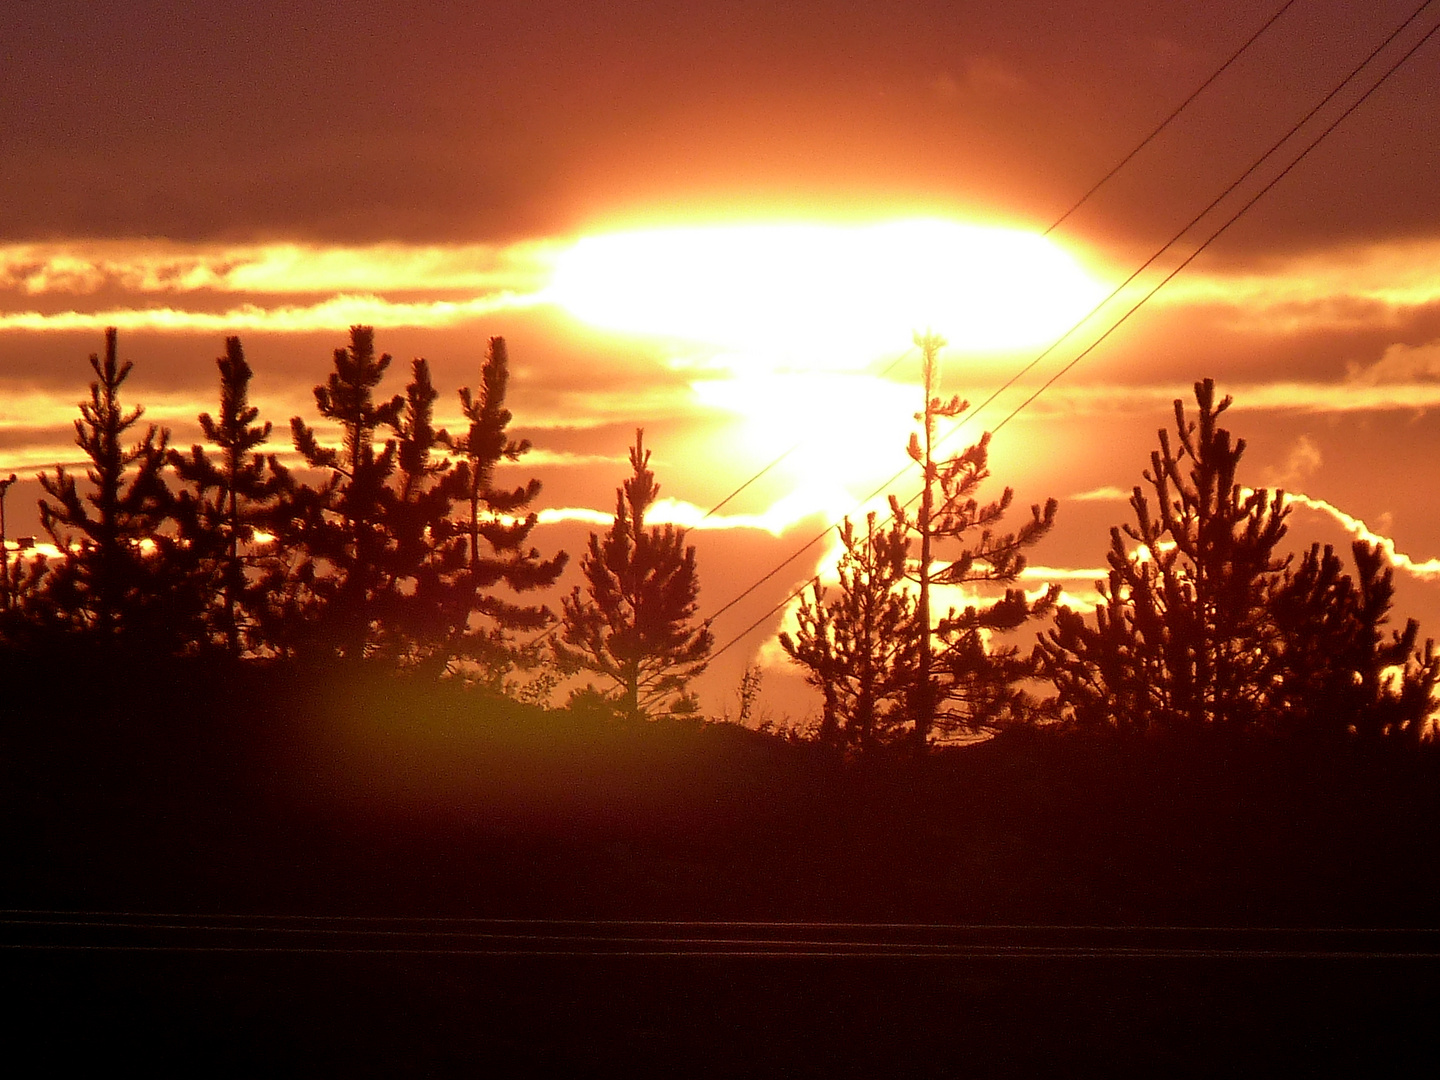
(164, 267)
(775, 520)
(1334, 289)
(336, 311)
(1429, 570)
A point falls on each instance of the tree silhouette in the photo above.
(1204, 625)
(415, 600)
(339, 525)
(1339, 674)
(117, 574)
(632, 622)
(860, 648)
(962, 683)
(495, 538)
(226, 501)
(1182, 629)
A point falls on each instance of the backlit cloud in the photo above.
(1428, 569)
(1330, 290)
(344, 310)
(1400, 363)
(86, 267)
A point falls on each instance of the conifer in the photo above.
(331, 592)
(494, 534)
(116, 572)
(860, 648)
(962, 682)
(227, 499)
(1205, 625)
(632, 623)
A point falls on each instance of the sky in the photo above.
(724, 224)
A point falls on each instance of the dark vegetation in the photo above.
(245, 691)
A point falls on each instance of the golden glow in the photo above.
(159, 266)
(841, 433)
(837, 295)
(337, 311)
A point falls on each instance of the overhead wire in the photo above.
(58, 931)
(1228, 222)
(1255, 165)
(1169, 119)
(1094, 188)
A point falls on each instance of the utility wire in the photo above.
(1167, 121)
(785, 454)
(1289, 134)
(134, 932)
(1063, 217)
(1229, 221)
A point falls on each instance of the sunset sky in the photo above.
(723, 223)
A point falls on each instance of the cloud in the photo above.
(1400, 364)
(1071, 573)
(1427, 570)
(85, 267)
(1103, 494)
(983, 77)
(1338, 289)
(1109, 399)
(344, 310)
(1304, 460)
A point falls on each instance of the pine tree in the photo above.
(339, 526)
(495, 538)
(860, 648)
(962, 682)
(1338, 675)
(415, 603)
(1182, 629)
(227, 500)
(633, 621)
(116, 577)
(1204, 625)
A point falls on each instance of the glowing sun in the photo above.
(837, 295)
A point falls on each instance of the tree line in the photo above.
(1204, 624)
(399, 547)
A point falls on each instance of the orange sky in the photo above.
(281, 171)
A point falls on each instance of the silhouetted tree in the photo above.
(415, 601)
(1182, 628)
(340, 524)
(632, 622)
(495, 537)
(1339, 675)
(860, 648)
(962, 682)
(226, 501)
(116, 574)
(1204, 625)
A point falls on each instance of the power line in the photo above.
(135, 932)
(1247, 205)
(1275, 147)
(785, 454)
(1167, 121)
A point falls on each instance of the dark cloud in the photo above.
(361, 121)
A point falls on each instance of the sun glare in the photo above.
(838, 296)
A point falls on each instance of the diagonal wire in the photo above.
(1171, 275)
(1169, 119)
(1155, 133)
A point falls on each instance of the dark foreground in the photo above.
(316, 879)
